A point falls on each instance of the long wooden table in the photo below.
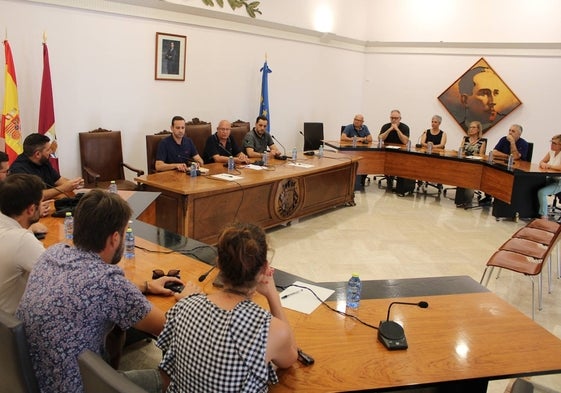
(466, 337)
(200, 207)
(514, 190)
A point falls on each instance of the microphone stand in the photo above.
(284, 156)
(307, 141)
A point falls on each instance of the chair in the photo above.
(363, 179)
(16, 372)
(239, 129)
(152, 142)
(101, 154)
(198, 131)
(98, 376)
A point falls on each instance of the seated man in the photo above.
(75, 294)
(35, 161)
(221, 145)
(20, 200)
(177, 152)
(394, 132)
(358, 129)
(4, 165)
(258, 140)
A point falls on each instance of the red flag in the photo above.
(10, 132)
(46, 107)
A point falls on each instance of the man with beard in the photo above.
(20, 201)
(76, 295)
(35, 161)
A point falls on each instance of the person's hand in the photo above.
(266, 283)
(46, 207)
(543, 165)
(156, 287)
(189, 289)
(38, 227)
(76, 183)
(510, 138)
(181, 167)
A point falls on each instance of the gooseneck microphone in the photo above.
(281, 145)
(307, 142)
(203, 276)
(391, 333)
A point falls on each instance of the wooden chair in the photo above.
(152, 142)
(16, 372)
(239, 129)
(198, 131)
(101, 154)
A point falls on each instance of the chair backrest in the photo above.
(239, 129)
(16, 372)
(101, 151)
(530, 151)
(313, 135)
(152, 142)
(98, 376)
(198, 131)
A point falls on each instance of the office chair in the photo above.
(239, 129)
(364, 179)
(152, 142)
(101, 155)
(16, 372)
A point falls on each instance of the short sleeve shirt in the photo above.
(22, 164)
(72, 300)
(351, 131)
(172, 153)
(214, 147)
(521, 145)
(256, 142)
(392, 136)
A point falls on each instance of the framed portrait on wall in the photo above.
(479, 94)
(170, 57)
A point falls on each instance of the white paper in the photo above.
(303, 300)
(392, 147)
(254, 167)
(300, 164)
(227, 177)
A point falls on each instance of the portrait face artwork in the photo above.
(170, 57)
(479, 95)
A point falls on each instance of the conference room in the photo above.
(105, 77)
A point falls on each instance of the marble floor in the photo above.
(386, 236)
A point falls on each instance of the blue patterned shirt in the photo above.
(72, 300)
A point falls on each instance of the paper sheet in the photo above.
(227, 177)
(300, 164)
(302, 300)
(254, 167)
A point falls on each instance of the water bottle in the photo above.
(354, 286)
(380, 143)
(490, 157)
(320, 151)
(294, 154)
(68, 226)
(113, 187)
(354, 141)
(510, 162)
(429, 148)
(231, 164)
(408, 145)
(129, 244)
(461, 152)
(193, 170)
(265, 158)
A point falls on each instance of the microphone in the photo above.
(203, 276)
(307, 141)
(283, 157)
(419, 144)
(391, 333)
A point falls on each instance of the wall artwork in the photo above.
(170, 57)
(479, 94)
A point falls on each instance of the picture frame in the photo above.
(479, 94)
(170, 56)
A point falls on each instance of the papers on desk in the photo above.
(392, 147)
(300, 164)
(474, 157)
(255, 167)
(227, 177)
(302, 300)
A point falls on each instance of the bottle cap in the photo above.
(129, 230)
(68, 214)
(355, 274)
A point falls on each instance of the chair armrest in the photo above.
(91, 174)
(139, 172)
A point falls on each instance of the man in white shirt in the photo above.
(20, 206)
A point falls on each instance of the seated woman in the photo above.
(434, 134)
(224, 341)
(473, 145)
(551, 162)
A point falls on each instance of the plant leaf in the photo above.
(220, 3)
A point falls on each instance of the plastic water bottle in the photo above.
(231, 164)
(461, 152)
(354, 287)
(320, 151)
(510, 162)
(113, 187)
(408, 145)
(294, 154)
(129, 244)
(380, 143)
(354, 141)
(490, 157)
(193, 170)
(429, 148)
(68, 226)
(265, 158)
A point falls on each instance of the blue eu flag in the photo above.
(264, 107)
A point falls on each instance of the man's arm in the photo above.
(62, 186)
(162, 166)
(153, 322)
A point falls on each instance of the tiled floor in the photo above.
(385, 236)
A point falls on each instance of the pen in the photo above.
(290, 294)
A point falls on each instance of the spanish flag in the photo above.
(10, 127)
(46, 107)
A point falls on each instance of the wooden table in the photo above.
(200, 207)
(515, 190)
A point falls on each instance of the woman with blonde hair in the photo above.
(551, 162)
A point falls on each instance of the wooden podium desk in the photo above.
(199, 207)
(515, 191)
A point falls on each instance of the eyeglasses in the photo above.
(157, 273)
(394, 118)
(224, 129)
(360, 120)
(555, 143)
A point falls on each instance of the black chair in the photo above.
(16, 373)
(313, 136)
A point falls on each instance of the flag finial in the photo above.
(44, 37)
